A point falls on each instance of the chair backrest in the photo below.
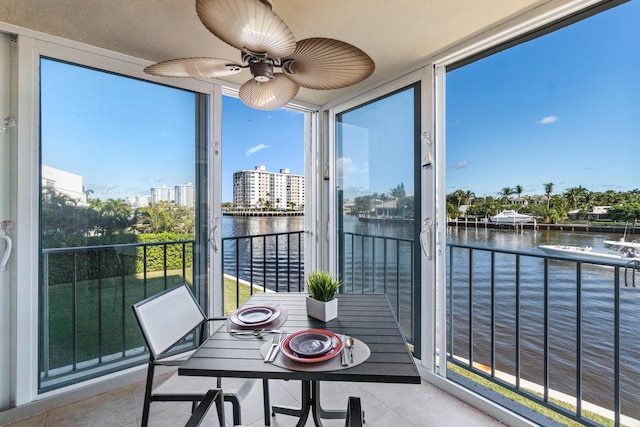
(167, 317)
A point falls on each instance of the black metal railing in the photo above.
(86, 324)
(381, 264)
(560, 332)
(273, 261)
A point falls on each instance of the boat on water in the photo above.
(622, 244)
(510, 217)
(618, 252)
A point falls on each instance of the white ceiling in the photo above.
(399, 35)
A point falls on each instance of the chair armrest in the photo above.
(175, 362)
(213, 319)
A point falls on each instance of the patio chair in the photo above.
(355, 415)
(165, 320)
(213, 395)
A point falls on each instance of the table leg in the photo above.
(310, 402)
(327, 414)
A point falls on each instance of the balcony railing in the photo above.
(87, 327)
(273, 261)
(560, 332)
(382, 264)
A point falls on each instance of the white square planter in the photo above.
(324, 311)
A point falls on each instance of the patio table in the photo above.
(368, 318)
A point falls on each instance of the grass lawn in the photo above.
(102, 315)
(549, 413)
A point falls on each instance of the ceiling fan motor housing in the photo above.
(262, 71)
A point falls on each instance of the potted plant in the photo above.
(321, 302)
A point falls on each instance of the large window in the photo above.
(378, 202)
(547, 128)
(123, 212)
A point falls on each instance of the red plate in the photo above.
(286, 350)
(275, 313)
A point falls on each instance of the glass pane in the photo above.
(119, 191)
(547, 130)
(378, 191)
(263, 193)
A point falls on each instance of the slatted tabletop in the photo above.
(366, 317)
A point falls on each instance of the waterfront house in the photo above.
(413, 44)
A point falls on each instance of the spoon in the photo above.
(351, 343)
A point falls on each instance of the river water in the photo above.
(594, 319)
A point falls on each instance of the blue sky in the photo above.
(274, 139)
(564, 108)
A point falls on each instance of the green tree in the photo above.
(518, 190)
(548, 189)
(629, 212)
(576, 196)
(506, 193)
(363, 204)
(111, 217)
(63, 222)
(165, 217)
(398, 192)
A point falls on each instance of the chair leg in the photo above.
(220, 408)
(147, 397)
(266, 402)
(237, 416)
(203, 407)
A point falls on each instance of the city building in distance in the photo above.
(183, 195)
(259, 189)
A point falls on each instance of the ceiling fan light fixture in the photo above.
(262, 71)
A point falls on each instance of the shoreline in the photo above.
(263, 213)
(614, 229)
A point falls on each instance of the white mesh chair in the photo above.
(165, 319)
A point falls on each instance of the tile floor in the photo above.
(385, 405)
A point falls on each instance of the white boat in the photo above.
(622, 254)
(622, 243)
(510, 217)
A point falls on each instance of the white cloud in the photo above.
(459, 165)
(346, 166)
(547, 120)
(255, 149)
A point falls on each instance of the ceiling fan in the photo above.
(267, 45)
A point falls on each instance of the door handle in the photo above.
(428, 233)
(7, 251)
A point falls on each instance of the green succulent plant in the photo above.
(322, 286)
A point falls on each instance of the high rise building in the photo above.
(258, 189)
(162, 194)
(185, 195)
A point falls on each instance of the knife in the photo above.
(274, 345)
(274, 352)
(345, 362)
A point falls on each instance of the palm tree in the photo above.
(548, 189)
(506, 192)
(576, 196)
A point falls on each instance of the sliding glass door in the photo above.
(378, 202)
(123, 210)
